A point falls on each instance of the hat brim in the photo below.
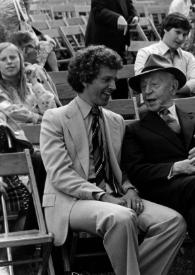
(134, 82)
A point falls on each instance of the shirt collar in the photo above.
(85, 107)
(164, 48)
(172, 110)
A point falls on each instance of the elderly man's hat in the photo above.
(157, 63)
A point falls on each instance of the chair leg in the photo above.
(193, 260)
(50, 269)
(46, 250)
(65, 258)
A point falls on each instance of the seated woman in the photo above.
(21, 96)
(30, 46)
(14, 188)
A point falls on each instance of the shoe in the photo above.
(4, 270)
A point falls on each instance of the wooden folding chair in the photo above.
(21, 164)
(187, 104)
(40, 25)
(74, 37)
(82, 10)
(126, 107)
(61, 50)
(72, 21)
(61, 11)
(56, 23)
(32, 132)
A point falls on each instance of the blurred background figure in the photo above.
(108, 25)
(181, 6)
(21, 96)
(29, 46)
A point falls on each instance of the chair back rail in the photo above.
(186, 104)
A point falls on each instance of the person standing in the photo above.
(108, 25)
(181, 6)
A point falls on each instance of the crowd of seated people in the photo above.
(26, 92)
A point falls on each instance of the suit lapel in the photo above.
(76, 127)
(111, 133)
(154, 123)
(187, 125)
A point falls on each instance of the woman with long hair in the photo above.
(22, 97)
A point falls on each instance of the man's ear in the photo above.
(175, 86)
(85, 84)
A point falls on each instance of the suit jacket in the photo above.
(102, 23)
(65, 152)
(149, 150)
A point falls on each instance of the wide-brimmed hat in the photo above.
(156, 63)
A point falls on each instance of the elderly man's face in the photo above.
(158, 89)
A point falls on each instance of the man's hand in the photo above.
(186, 166)
(122, 24)
(191, 153)
(135, 21)
(111, 199)
(133, 201)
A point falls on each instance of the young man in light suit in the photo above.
(75, 199)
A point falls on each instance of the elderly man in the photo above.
(85, 189)
(176, 29)
(158, 151)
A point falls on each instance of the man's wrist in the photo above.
(132, 188)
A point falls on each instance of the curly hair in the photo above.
(176, 20)
(84, 67)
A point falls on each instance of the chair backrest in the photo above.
(64, 90)
(125, 73)
(136, 45)
(79, 20)
(82, 10)
(65, 10)
(20, 164)
(186, 104)
(56, 23)
(125, 107)
(40, 25)
(32, 132)
(39, 17)
(74, 37)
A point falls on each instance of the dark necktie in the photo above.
(170, 120)
(171, 55)
(98, 148)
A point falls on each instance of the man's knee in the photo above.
(123, 217)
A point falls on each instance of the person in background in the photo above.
(21, 96)
(176, 30)
(108, 25)
(80, 145)
(29, 46)
(16, 189)
(181, 6)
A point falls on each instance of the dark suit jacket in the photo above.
(149, 150)
(102, 23)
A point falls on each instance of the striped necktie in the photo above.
(171, 122)
(98, 148)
